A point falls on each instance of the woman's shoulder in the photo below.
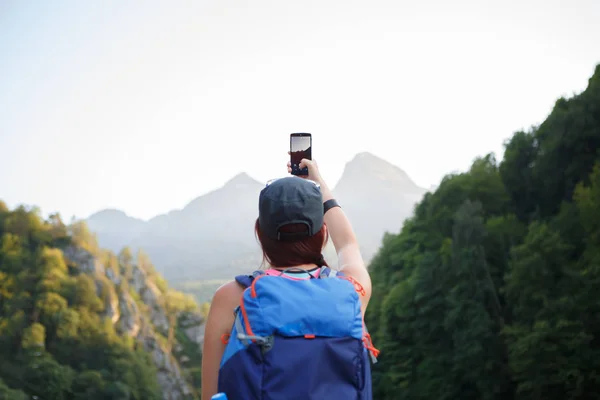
(224, 301)
(227, 290)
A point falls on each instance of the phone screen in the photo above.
(300, 147)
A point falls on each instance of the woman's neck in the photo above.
(307, 267)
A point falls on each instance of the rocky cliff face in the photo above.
(139, 308)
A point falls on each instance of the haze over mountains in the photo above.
(213, 236)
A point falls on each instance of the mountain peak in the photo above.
(366, 157)
(366, 168)
(112, 213)
(241, 179)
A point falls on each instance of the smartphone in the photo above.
(300, 147)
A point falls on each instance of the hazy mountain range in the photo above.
(213, 236)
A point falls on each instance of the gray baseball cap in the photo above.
(290, 200)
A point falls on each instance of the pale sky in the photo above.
(143, 106)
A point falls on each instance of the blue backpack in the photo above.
(298, 340)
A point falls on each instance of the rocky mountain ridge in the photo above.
(212, 237)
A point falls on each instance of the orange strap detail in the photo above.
(357, 286)
(246, 321)
(369, 345)
(253, 286)
(225, 338)
(309, 336)
(243, 308)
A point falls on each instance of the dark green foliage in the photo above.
(56, 342)
(490, 291)
(6, 393)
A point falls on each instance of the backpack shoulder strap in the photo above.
(327, 272)
(246, 280)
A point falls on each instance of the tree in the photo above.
(8, 393)
(56, 339)
(125, 261)
(34, 337)
(175, 303)
(547, 342)
(88, 385)
(85, 294)
(83, 238)
(489, 291)
(474, 314)
(47, 379)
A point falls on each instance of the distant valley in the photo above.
(212, 238)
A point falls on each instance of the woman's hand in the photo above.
(313, 170)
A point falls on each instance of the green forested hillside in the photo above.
(77, 322)
(492, 288)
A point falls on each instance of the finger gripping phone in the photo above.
(300, 147)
